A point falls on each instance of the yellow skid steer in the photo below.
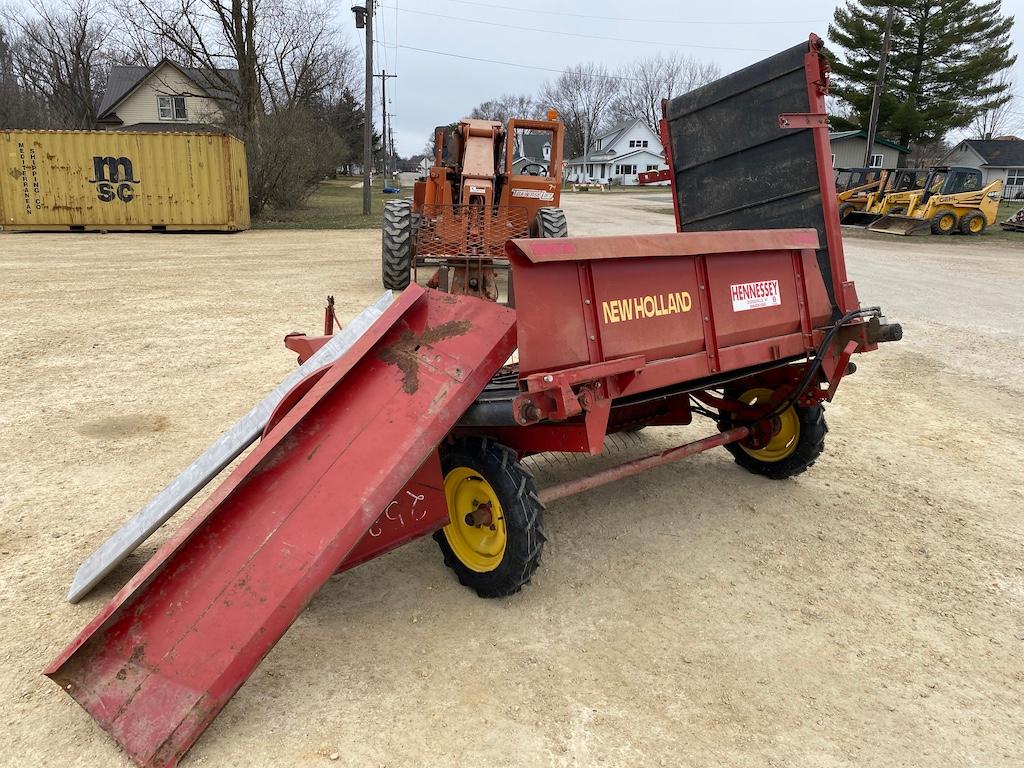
(953, 199)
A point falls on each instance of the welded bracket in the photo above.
(803, 120)
(551, 395)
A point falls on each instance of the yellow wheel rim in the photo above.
(479, 547)
(785, 429)
(946, 222)
(976, 224)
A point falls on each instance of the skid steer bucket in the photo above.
(896, 224)
(860, 218)
(165, 655)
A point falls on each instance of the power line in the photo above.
(648, 43)
(511, 63)
(644, 20)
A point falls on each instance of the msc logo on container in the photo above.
(113, 177)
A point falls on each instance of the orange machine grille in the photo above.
(468, 231)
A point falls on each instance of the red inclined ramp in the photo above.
(165, 655)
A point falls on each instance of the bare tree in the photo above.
(505, 107)
(62, 57)
(643, 83)
(308, 59)
(281, 64)
(582, 95)
(18, 109)
(217, 36)
(999, 120)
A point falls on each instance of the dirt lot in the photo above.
(870, 612)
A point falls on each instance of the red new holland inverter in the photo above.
(411, 420)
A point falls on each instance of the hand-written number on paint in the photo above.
(395, 514)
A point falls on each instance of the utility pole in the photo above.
(877, 95)
(391, 137)
(384, 120)
(368, 111)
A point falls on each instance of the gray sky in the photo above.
(434, 89)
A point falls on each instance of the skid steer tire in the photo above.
(494, 563)
(551, 222)
(944, 223)
(973, 223)
(806, 446)
(396, 245)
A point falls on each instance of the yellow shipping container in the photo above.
(113, 180)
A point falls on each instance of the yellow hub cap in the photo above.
(946, 222)
(976, 224)
(785, 429)
(479, 547)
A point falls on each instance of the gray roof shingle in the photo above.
(1002, 153)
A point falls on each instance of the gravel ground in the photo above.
(868, 613)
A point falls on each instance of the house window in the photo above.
(547, 151)
(876, 161)
(625, 170)
(1015, 177)
(652, 167)
(171, 107)
(833, 159)
(642, 143)
(632, 143)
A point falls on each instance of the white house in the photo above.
(618, 155)
(165, 97)
(1001, 158)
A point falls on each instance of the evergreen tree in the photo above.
(944, 61)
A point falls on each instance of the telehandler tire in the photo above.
(973, 223)
(551, 223)
(495, 536)
(397, 245)
(796, 443)
(944, 223)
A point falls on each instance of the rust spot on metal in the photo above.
(402, 352)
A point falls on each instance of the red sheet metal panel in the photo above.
(692, 304)
(161, 660)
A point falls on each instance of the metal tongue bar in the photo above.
(222, 452)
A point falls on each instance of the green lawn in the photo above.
(335, 205)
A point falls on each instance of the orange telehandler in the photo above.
(470, 204)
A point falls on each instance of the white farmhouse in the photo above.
(165, 97)
(618, 155)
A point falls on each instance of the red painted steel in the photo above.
(816, 71)
(164, 656)
(585, 301)
(635, 467)
(418, 509)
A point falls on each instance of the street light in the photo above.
(360, 15)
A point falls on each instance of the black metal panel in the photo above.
(735, 168)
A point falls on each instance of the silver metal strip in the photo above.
(220, 454)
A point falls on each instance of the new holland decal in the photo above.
(643, 307)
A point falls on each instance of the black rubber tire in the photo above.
(551, 222)
(810, 444)
(965, 223)
(522, 510)
(937, 227)
(397, 245)
(845, 210)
